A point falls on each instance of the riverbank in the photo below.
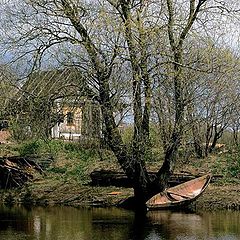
(216, 197)
(66, 181)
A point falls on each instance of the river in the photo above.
(67, 223)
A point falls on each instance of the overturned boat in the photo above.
(180, 195)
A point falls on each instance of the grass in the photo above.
(71, 161)
(40, 147)
(75, 161)
(69, 173)
(67, 154)
(8, 150)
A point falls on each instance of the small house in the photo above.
(58, 104)
(77, 120)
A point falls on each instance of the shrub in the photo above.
(75, 150)
(233, 163)
(60, 170)
(40, 147)
(30, 148)
(79, 172)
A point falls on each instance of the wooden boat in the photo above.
(180, 195)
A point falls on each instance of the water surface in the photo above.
(66, 223)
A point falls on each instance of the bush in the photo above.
(40, 147)
(76, 150)
(127, 135)
(233, 163)
(30, 148)
(60, 170)
(72, 150)
(79, 172)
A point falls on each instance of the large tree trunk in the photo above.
(235, 136)
(197, 143)
(133, 161)
(217, 135)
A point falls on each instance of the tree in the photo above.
(211, 109)
(208, 72)
(88, 34)
(8, 88)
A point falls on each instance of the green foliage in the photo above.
(154, 155)
(40, 147)
(54, 148)
(30, 148)
(155, 138)
(81, 159)
(19, 130)
(127, 135)
(227, 139)
(79, 172)
(72, 160)
(60, 170)
(75, 150)
(233, 163)
(8, 150)
(219, 166)
(228, 165)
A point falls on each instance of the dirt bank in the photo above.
(51, 192)
(220, 197)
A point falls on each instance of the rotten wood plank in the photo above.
(119, 179)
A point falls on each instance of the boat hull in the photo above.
(179, 196)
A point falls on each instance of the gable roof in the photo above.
(56, 83)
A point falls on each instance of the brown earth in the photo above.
(4, 137)
(220, 197)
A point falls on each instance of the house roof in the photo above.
(56, 83)
(42, 88)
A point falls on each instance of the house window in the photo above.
(70, 117)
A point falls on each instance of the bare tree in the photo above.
(103, 38)
(8, 89)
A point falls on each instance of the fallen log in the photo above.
(119, 179)
(15, 171)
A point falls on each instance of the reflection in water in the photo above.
(177, 225)
(114, 224)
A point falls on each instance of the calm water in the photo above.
(55, 223)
